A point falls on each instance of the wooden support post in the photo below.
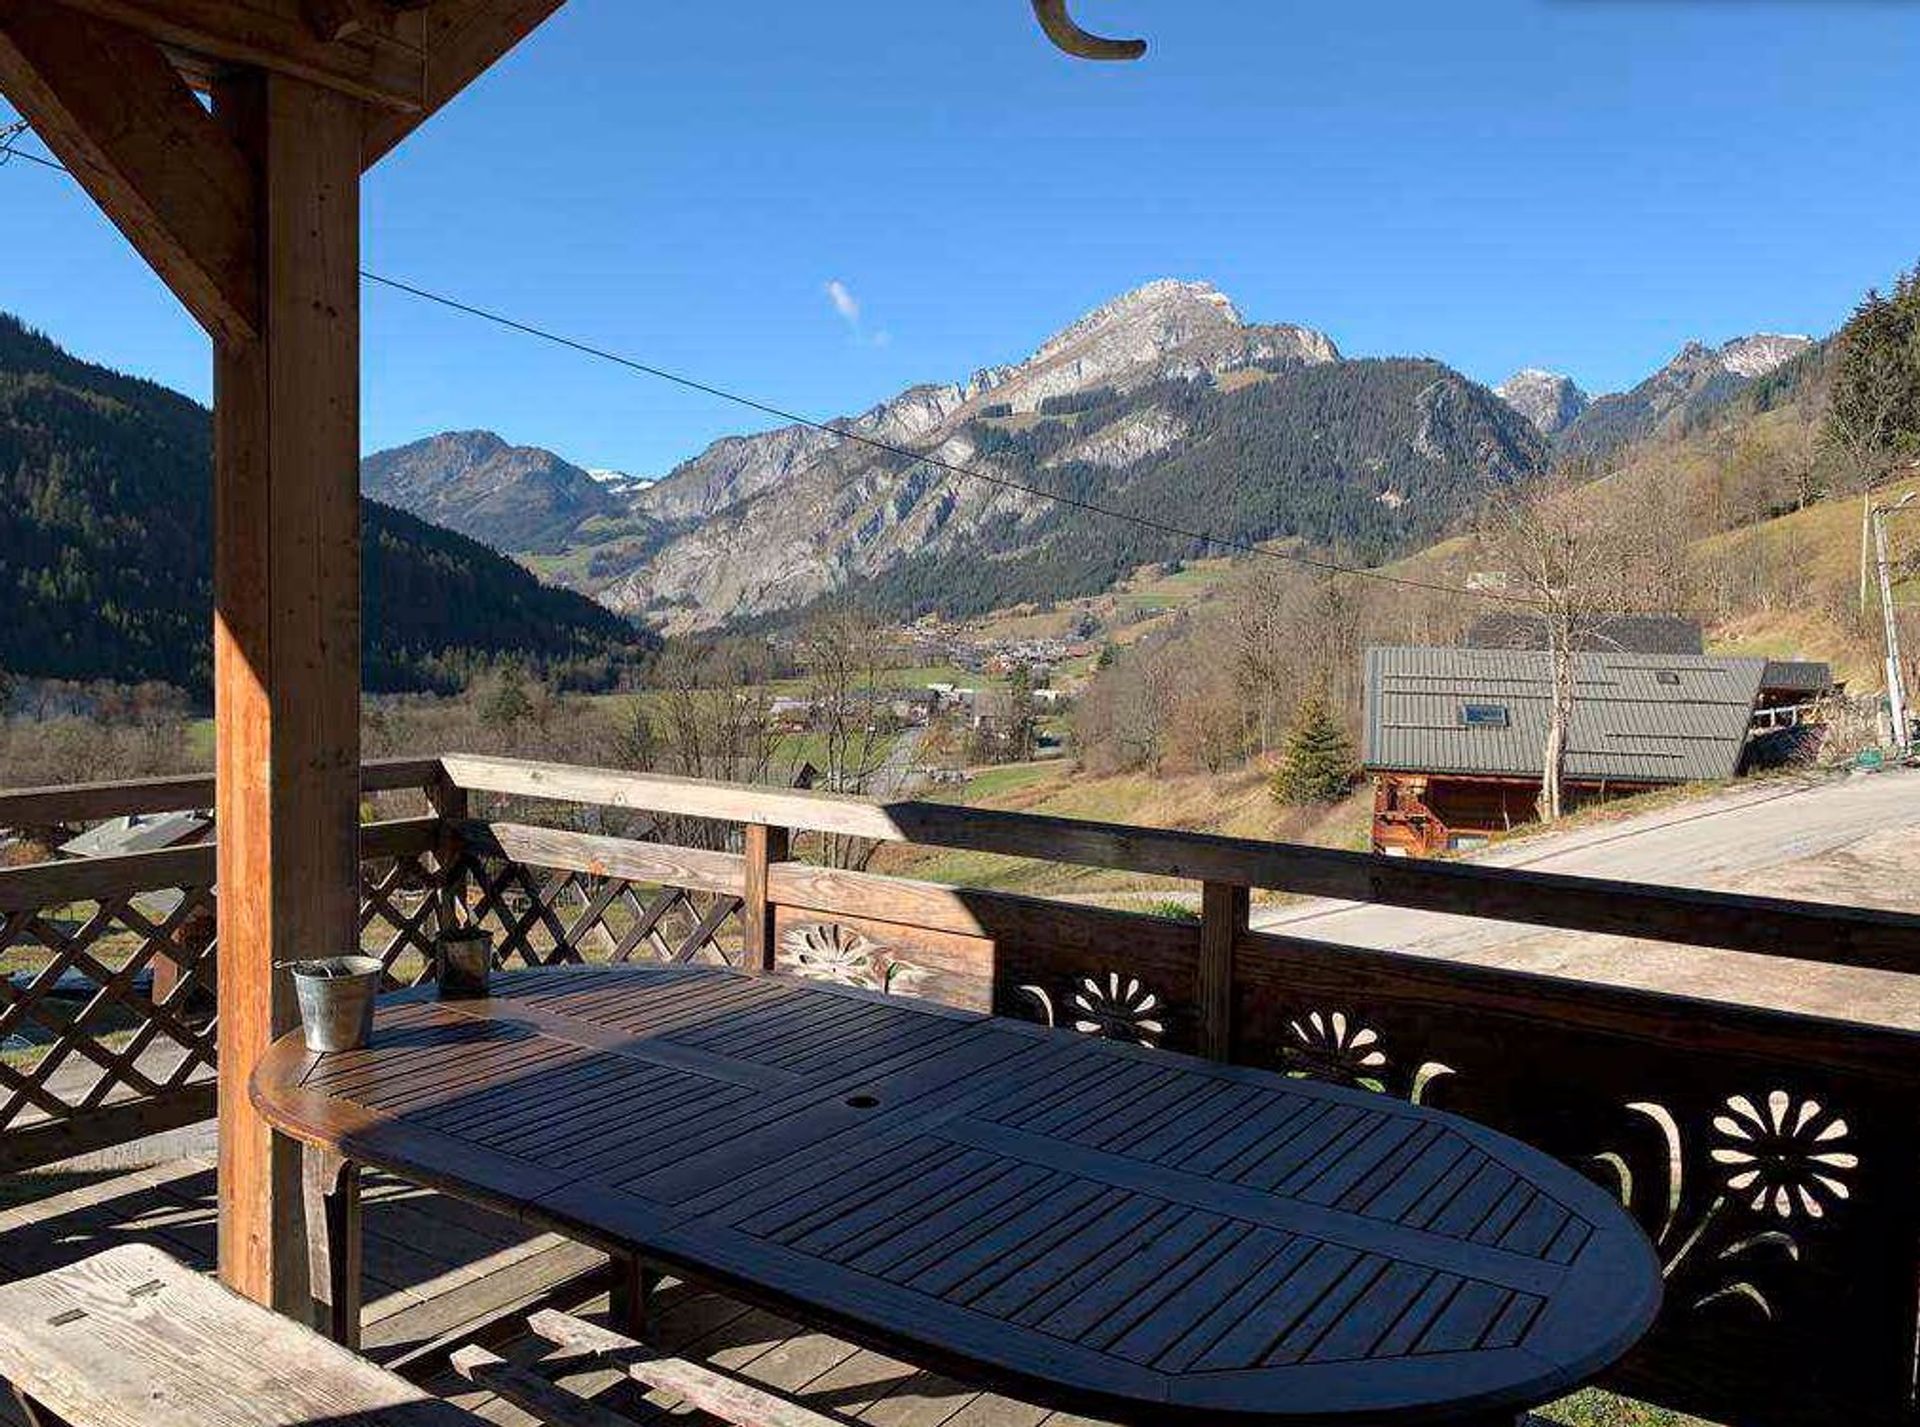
(450, 804)
(286, 637)
(764, 847)
(631, 1304)
(1224, 907)
(331, 1190)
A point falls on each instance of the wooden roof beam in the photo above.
(371, 51)
(108, 103)
(462, 40)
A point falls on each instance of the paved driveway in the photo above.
(1853, 839)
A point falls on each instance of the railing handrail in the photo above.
(91, 802)
(36, 885)
(1768, 926)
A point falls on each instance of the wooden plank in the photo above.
(88, 802)
(399, 837)
(91, 802)
(760, 936)
(901, 901)
(1269, 967)
(108, 104)
(48, 1141)
(39, 885)
(549, 1403)
(462, 40)
(1850, 936)
(659, 792)
(133, 1338)
(946, 967)
(450, 808)
(380, 775)
(287, 638)
(384, 65)
(1223, 921)
(726, 1398)
(650, 862)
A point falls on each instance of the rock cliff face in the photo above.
(1550, 401)
(1120, 344)
(784, 517)
(1164, 399)
(1764, 352)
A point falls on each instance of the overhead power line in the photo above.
(9, 149)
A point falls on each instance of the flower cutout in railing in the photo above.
(827, 951)
(1787, 1156)
(1332, 1046)
(1116, 1009)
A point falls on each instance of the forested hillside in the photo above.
(106, 549)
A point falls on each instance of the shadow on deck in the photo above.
(441, 1273)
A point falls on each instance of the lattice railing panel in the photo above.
(112, 1001)
(399, 917)
(550, 916)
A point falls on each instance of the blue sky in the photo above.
(1580, 184)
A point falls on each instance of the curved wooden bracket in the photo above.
(1062, 30)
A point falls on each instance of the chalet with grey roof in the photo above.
(1454, 738)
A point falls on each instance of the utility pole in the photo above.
(1896, 676)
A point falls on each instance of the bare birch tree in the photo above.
(845, 655)
(1571, 565)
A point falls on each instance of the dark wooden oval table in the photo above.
(1122, 1232)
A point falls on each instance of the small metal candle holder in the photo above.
(463, 958)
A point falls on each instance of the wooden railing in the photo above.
(1773, 1157)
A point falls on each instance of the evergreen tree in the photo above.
(1318, 766)
(1021, 716)
(1873, 409)
(507, 703)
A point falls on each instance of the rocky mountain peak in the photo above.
(1744, 357)
(1551, 401)
(514, 498)
(1761, 353)
(1699, 381)
(1165, 329)
(1167, 311)
(1168, 328)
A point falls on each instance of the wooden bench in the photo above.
(134, 1338)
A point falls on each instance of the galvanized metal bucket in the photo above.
(336, 1000)
(463, 956)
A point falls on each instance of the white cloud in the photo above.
(844, 302)
(848, 306)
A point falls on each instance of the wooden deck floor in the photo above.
(441, 1273)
